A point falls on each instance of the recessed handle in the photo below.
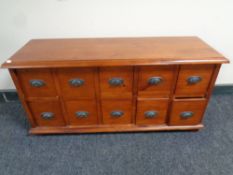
(117, 114)
(155, 80)
(47, 115)
(81, 114)
(194, 79)
(76, 82)
(186, 114)
(150, 114)
(37, 83)
(116, 81)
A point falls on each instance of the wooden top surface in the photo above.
(113, 52)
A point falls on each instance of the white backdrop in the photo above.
(21, 20)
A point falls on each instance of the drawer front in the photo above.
(116, 82)
(76, 82)
(152, 112)
(193, 80)
(47, 113)
(37, 82)
(82, 112)
(117, 111)
(187, 112)
(155, 81)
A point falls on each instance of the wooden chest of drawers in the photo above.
(115, 84)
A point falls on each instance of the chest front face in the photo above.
(105, 98)
(116, 97)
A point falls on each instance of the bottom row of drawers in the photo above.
(149, 112)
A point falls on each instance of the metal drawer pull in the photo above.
(150, 114)
(47, 115)
(82, 114)
(37, 83)
(116, 81)
(194, 79)
(117, 114)
(186, 114)
(155, 80)
(76, 82)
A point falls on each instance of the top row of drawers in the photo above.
(117, 82)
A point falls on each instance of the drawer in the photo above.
(193, 80)
(117, 111)
(155, 81)
(82, 112)
(152, 112)
(116, 82)
(187, 112)
(76, 82)
(47, 113)
(37, 82)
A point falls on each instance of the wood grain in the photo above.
(184, 89)
(48, 90)
(96, 61)
(82, 105)
(197, 106)
(124, 90)
(22, 98)
(111, 128)
(160, 106)
(113, 52)
(162, 89)
(109, 106)
(87, 90)
(39, 107)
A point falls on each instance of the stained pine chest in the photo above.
(114, 84)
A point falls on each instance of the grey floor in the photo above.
(207, 152)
